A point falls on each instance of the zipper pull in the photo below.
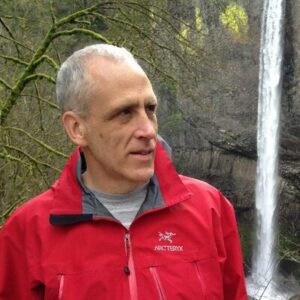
(127, 249)
(126, 270)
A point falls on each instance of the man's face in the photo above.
(120, 129)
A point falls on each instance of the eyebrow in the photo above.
(134, 103)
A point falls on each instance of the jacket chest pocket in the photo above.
(105, 285)
(188, 280)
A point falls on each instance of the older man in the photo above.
(119, 223)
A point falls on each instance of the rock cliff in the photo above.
(214, 137)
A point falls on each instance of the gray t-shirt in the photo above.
(124, 207)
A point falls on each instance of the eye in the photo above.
(125, 114)
(126, 111)
(151, 108)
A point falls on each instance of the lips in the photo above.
(142, 152)
(143, 155)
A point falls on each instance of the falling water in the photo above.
(264, 262)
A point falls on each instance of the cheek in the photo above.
(154, 122)
(110, 140)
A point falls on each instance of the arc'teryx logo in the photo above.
(167, 236)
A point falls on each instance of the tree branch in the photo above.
(41, 143)
(3, 82)
(15, 41)
(51, 62)
(28, 75)
(91, 33)
(52, 11)
(39, 104)
(80, 13)
(28, 156)
(14, 59)
(10, 34)
(6, 156)
(51, 104)
(39, 76)
(144, 34)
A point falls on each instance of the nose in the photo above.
(146, 127)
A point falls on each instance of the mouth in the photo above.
(143, 154)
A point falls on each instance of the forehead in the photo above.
(104, 67)
(115, 82)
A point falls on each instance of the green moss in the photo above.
(170, 86)
(173, 121)
(289, 247)
(247, 243)
(235, 20)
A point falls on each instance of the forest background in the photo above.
(202, 58)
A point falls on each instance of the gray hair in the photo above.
(74, 83)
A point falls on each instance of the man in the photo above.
(119, 223)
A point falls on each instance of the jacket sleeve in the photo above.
(231, 255)
(15, 277)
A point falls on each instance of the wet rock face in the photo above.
(290, 135)
(289, 209)
(217, 140)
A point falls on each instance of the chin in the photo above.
(144, 176)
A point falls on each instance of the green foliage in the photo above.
(169, 41)
(173, 122)
(235, 20)
(247, 243)
(193, 32)
(289, 248)
(198, 19)
(36, 36)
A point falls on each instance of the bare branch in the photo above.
(38, 141)
(156, 67)
(84, 22)
(144, 34)
(78, 14)
(28, 156)
(52, 12)
(39, 104)
(14, 59)
(3, 82)
(51, 62)
(40, 76)
(15, 41)
(141, 8)
(10, 34)
(51, 104)
(5, 156)
(28, 73)
(91, 33)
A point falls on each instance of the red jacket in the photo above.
(63, 244)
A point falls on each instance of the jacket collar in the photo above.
(71, 197)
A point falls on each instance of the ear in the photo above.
(75, 128)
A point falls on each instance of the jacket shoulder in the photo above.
(206, 193)
(196, 185)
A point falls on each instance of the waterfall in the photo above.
(264, 259)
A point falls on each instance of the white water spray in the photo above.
(264, 262)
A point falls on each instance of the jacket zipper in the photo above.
(61, 279)
(129, 269)
(200, 279)
(158, 284)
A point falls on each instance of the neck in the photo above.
(109, 187)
